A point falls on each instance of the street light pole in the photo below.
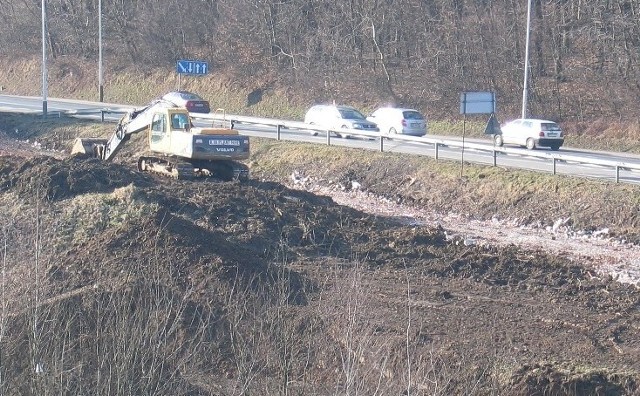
(44, 60)
(100, 86)
(526, 63)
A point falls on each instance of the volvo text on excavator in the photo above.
(176, 147)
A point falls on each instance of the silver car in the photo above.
(192, 102)
(393, 120)
(336, 117)
(531, 133)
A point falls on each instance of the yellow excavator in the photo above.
(176, 147)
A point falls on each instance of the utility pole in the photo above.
(44, 60)
(525, 89)
(100, 85)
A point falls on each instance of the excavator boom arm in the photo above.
(133, 122)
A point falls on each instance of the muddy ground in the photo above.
(147, 285)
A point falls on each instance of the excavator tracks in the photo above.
(176, 170)
(225, 170)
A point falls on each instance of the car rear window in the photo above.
(549, 126)
(412, 115)
(190, 96)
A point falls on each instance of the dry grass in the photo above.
(139, 87)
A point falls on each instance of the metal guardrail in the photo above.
(437, 142)
(95, 111)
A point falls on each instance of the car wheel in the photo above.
(392, 131)
(313, 133)
(531, 144)
(340, 135)
(555, 147)
(498, 140)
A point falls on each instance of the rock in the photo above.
(469, 242)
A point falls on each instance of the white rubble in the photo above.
(607, 256)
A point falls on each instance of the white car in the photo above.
(531, 133)
(338, 117)
(393, 120)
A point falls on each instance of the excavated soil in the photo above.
(334, 300)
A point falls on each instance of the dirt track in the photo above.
(371, 303)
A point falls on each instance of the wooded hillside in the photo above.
(584, 55)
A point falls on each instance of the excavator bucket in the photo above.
(92, 147)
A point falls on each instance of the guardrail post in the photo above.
(617, 174)
(328, 138)
(381, 143)
(436, 149)
(554, 165)
(278, 128)
(495, 159)
(101, 115)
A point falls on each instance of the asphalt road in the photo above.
(568, 161)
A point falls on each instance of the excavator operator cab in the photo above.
(180, 121)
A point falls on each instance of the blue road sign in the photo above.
(192, 67)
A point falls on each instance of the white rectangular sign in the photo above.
(477, 103)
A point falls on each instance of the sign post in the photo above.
(475, 103)
(45, 81)
(192, 67)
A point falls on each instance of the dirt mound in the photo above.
(225, 288)
(52, 179)
(547, 379)
(173, 252)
